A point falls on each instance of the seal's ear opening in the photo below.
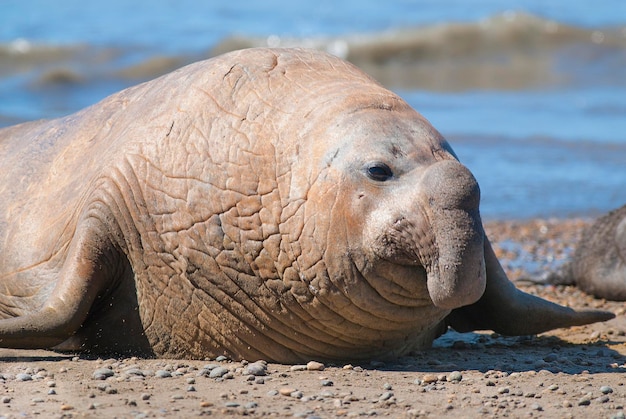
(509, 311)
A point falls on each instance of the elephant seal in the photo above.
(598, 265)
(273, 204)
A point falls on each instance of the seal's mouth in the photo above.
(402, 284)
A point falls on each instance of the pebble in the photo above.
(218, 372)
(455, 376)
(221, 358)
(286, 391)
(386, 396)
(326, 383)
(429, 378)
(606, 390)
(256, 368)
(23, 377)
(315, 366)
(162, 374)
(102, 373)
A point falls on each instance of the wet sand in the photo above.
(576, 372)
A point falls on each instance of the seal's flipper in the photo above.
(81, 280)
(509, 311)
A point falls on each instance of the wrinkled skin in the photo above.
(598, 265)
(275, 204)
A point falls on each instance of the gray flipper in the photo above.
(506, 310)
(82, 277)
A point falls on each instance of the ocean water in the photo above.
(531, 94)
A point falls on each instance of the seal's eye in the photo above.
(379, 172)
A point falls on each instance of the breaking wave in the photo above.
(508, 51)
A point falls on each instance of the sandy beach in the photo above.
(576, 372)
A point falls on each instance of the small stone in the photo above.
(584, 401)
(256, 368)
(66, 407)
(191, 388)
(503, 390)
(102, 373)
(286, 391)
(386, 396)
(326, 383)
(218, 372)
(6, 400)
(259, 380)
(298, 367)
(135, 372)
(191, 380)
(51, 384)
(296, 394)
(429, 378)
(251, 405)
(221, 358)
(387, 386)
(315, 366)
(536, 407)
(162, 374)
(606, 390)
(52, 392)
(231, 404)
(206, 404)
(455, 376)
(177, 397)
(145, 396)
(23, 377)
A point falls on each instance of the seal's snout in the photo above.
(450, 185)
(456, 276)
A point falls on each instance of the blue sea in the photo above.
(531, 94)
